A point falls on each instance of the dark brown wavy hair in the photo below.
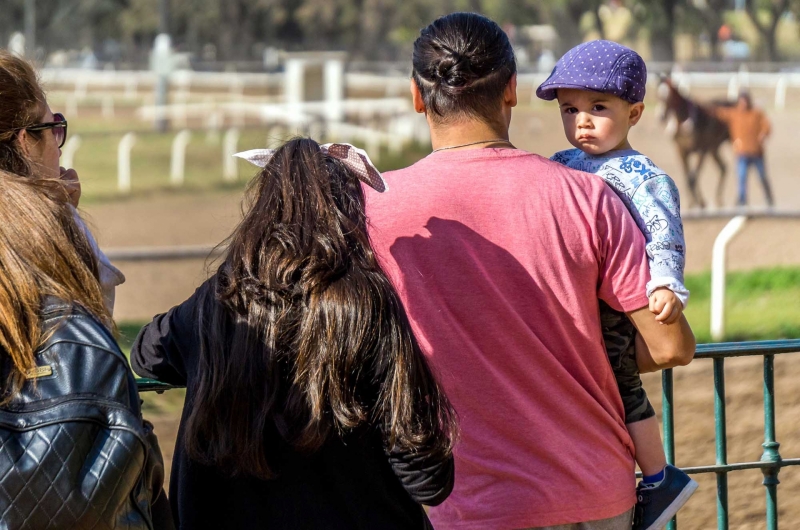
(462, 63)
(303, 334)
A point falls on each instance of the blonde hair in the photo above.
(43, 252)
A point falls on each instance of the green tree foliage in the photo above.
(368, 29)
(765, 16)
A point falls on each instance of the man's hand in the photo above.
(665, 305)
(72, 184)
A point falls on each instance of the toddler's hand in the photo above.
(665, 305)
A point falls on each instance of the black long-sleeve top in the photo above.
(350, 483)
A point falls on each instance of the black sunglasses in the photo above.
(59, 127)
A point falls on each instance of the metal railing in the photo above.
(771, 461)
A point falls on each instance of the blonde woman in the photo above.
(31, 137)
(74, 450)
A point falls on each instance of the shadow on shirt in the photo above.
(464, 289)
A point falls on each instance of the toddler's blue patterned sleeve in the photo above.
(657, 202)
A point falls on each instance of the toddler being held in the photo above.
(600, 88)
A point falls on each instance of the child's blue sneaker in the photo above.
(657, 504)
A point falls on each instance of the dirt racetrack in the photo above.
(206, 218)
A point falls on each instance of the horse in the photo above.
(695, 129)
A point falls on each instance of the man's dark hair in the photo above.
(462, 64)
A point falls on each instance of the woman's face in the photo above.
(43, 149)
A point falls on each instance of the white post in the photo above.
(108, 106)
(744, 76)
(178, 160)
(124, 162)
(780, 93)
(69, 150)
(685, 86)
(334, 89)
(230, 166)
(733, 88)
(718, 258)
(213, 124)
(237, 96)
(294, 86)
(131, 88)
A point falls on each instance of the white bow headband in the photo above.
(356, 160)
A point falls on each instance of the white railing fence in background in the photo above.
(230, 165)
(124, 162)
(71, 147)
(177, 165)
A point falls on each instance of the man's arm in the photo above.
(660, 346)
(723, 114)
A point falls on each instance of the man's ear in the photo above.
(510, 92)
(636, 111)
(416, 96)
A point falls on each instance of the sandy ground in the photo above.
(199, 219)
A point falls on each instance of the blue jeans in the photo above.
(743, 164)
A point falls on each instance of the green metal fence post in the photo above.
(721, 439)
(669, 426)
(771, 453)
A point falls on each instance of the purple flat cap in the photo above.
(601, 66)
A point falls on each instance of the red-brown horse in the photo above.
(695, 129)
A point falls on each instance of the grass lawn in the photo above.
(759, 305)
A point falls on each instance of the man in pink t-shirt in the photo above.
(500, 257)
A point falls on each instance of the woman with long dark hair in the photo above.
(309, 403)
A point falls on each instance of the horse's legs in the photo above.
(722, 175)
(690, 178)
(701, 157)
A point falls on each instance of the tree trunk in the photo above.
(662, 33)
(768, 32)
(236, 34)
(567, 22)
(598, 22)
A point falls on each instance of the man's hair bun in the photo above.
(455, 70)
(462, 64)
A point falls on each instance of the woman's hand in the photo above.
(72, 184)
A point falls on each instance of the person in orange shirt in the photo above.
(748, 128)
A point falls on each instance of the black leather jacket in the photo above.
(74, 450)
